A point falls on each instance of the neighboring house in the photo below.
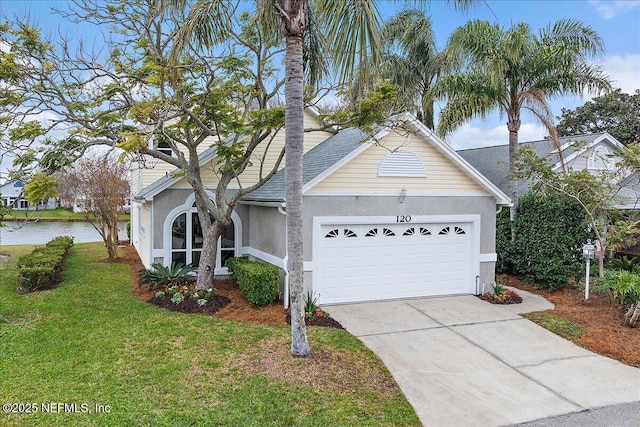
(13, 196)
(76, 203)
(395, 216)
(593, 152)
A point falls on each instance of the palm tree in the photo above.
(514, 70)
(351, 28)
(411, 61)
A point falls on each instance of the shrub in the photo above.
(550, 230)
(504, 245)
(42, 268)
(624, 263)
(259, 283)
(624, 286)
(231, 263)
(159, 275)
(65, 242)
(310, 303)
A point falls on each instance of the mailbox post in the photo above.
(588, 253)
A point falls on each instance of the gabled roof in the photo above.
(337, 150)
(316, 161)
(493, 162)
(172, 178)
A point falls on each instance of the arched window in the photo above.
(185, 238)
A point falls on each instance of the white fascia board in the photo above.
(396, 193)
(269, 204)
(501, 198)
(315, 112)
(605, 136)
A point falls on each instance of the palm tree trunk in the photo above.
(514, 126)
(294, 146)
(632, 316)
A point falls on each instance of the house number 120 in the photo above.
(403, 218)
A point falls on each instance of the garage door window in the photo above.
(456, 230)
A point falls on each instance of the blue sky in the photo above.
(616, 21)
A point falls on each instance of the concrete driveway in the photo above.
(461, 361)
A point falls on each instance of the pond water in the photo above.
(35, 233)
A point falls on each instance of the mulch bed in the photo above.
(327, 322)
(601, 321)
(189, 305)
(510, 297)
(227, 303)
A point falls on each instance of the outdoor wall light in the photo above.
(403, 195)
(588, 253)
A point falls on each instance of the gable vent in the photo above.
(402, 163)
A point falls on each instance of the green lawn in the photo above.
(90, 342)
(58, 214)
(558, 325)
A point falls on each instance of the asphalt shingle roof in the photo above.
(493, 162)
(315, 161)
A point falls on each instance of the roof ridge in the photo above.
(596, 134)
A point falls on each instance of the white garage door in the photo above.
(366, 262)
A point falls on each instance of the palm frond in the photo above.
(468, 96)
(315, 61)
(573, 36)
(353, 28)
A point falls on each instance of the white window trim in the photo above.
(187, 208)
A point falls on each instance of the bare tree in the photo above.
(99, 186)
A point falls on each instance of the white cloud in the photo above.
(472, 136)
(611, 8)
(625, 70)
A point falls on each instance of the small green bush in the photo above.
(231, 263)
(259, 283)
(65, 242)
(42, 268)
(624, 263)
(160, 275)
(624, 286)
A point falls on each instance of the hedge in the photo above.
(42, 268)
(259, 283)
(550, 231)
